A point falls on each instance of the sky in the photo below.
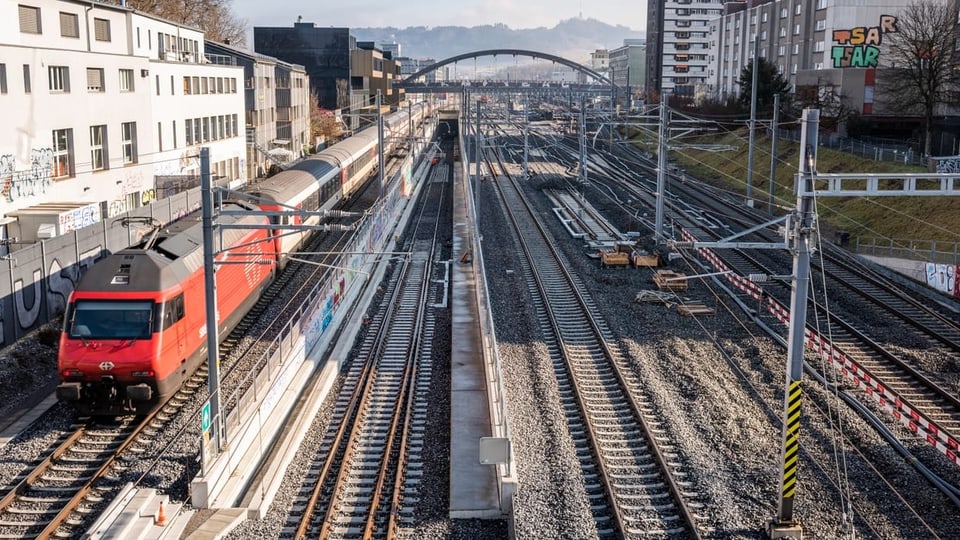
(403, 13)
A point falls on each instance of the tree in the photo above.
(769, 82)
(323, 122)
(918, 72)
(835, 108)
(212, 16)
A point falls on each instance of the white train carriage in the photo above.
(311, 185)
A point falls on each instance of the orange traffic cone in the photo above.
(161, 516)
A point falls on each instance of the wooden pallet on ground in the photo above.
(668, 280)
(690, 310)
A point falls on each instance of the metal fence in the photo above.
(919, 250)
(875, 149)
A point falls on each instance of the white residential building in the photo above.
(828, 44)
(678, 45)
(97, 99)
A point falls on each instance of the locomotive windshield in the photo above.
(113, 319)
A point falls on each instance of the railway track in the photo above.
(366, 480)
(77, 478)
(636, 485)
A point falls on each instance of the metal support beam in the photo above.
(582, 176)
(773, 150)
(662, 166)
(753, 118)
(380, 176)
(208, 225)
(784, 525)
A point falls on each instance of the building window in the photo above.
(138, 37)
(796, 29)
(818, 66)
(186, 86)
(172, 87)
(62, 152)
(126, 80)
(782, 50)
(821, 25)
(98, 148)
(796, 10)
(27, 83)
(818, 47)
(101, 29)
(233, 86)
(59, 78)
(95, 79)
(783, 31)
(204, 87)
(189, 131)
(206, 129)
(764, 17)
(821, 4)
(29, 19)
(159, 136)
(763, 35)
(796, 48)
(157, 79)
(783, 13)
(128, 135)
(69, 25)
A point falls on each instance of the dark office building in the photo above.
(323, 52)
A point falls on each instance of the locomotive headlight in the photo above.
(67, 373)
(148, 373)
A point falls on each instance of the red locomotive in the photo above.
(135, 325)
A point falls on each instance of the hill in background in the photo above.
(573, 39)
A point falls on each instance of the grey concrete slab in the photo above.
(473, 487)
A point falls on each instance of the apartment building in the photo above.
(102, 104)
(626, 65)
(277, 102)
(678, 45)
(809, 42)
(346, 74)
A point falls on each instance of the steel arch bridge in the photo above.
(509, 52)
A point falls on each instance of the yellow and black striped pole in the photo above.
(791, 449)
(785, 525)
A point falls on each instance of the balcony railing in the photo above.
(220, 59)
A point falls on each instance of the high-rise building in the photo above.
(678, 45)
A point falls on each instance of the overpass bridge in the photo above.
(591, 81)
(511, 87)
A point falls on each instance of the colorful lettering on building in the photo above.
(860, 47)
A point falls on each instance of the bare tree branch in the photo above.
(918, 74)
(214, 17)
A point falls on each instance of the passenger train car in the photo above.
(135, 325)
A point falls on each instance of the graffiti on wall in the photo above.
(947, 164)
(944, 277)
(79, 218)
(27, 297)
(34, 179)
(859, 47)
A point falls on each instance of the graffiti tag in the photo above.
(860, 47)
